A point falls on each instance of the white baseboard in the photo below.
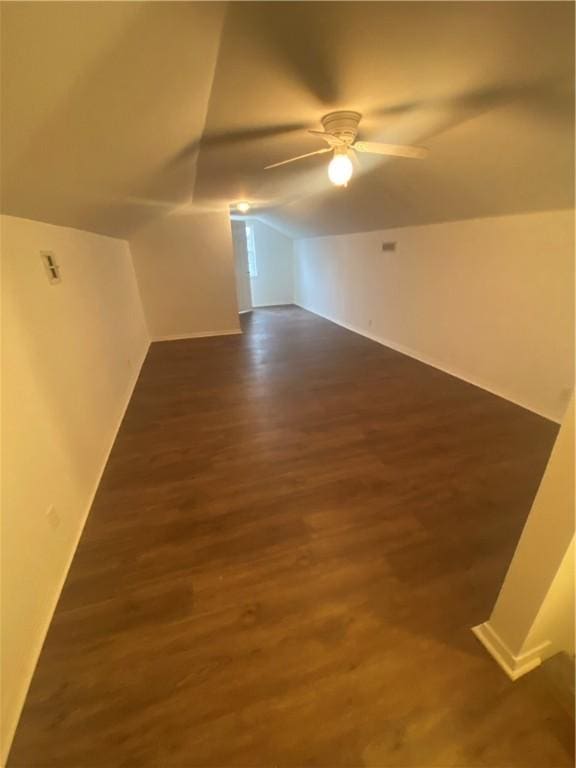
(11, 725)
(200, 335)
(435, 364)
(514, 666)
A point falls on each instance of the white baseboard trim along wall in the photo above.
(514, 666)
(533, 617)
(64, 407)
(200, 335)
(487, 300)
(10, 728)
(488, 387)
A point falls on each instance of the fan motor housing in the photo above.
(343, 124)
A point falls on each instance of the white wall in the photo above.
(71, 355)
(544, 543)
(489, 300)
(555, 620)
(275, 258)
(185, 269)
(533, 617)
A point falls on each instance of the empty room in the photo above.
(287, 384)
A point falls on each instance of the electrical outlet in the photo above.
(53, 516)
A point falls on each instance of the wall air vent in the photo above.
(390, 246)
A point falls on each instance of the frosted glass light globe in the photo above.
(243, 207)
(340, 169)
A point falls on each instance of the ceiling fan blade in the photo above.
(334, 141)
(300, 157)
(392, 150)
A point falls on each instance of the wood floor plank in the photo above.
(294, 533)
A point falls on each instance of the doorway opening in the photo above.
(264, 259)
(242, 265)
(251, 251)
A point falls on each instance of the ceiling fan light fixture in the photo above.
(340, 169)
(243, 206)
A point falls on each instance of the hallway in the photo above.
(295, 532)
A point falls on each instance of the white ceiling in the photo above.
(114, 113)
(98, 99)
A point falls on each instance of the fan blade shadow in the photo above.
(426, 119)
(550, 97)
(298, 41)
(229, 138)
(391, 110)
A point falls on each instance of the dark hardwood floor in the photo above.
(295, 532)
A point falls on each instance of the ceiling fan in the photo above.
(340, 131)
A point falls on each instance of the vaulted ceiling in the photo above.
(114, 113)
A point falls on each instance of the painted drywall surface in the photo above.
(71, 354)
(275, 259)
(109, 112)
(554, 623)
(490, 300)
(185, 269)
(536, 579)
